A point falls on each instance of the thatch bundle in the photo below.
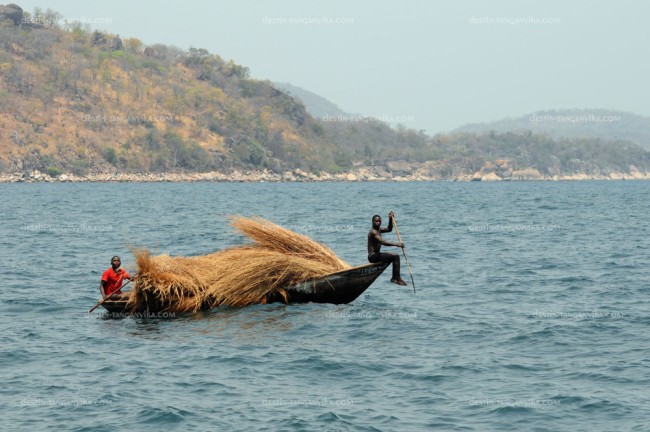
(238, 276)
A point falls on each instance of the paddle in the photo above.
(99, 303)
(403, 251)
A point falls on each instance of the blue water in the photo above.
(531, 311)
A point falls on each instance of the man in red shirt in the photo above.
(112, 280)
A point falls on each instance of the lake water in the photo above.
(531, 312)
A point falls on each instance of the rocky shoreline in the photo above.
(357, 175)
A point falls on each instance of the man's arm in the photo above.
(101, 288)
(383, 242)
(389, 228)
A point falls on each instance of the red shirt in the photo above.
(114, 280)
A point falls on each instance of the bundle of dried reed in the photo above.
(237, 276)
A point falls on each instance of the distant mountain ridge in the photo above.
(316, 105)
(574, 123)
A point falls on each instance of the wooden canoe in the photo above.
(337, 288)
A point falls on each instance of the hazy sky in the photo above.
(436, 65)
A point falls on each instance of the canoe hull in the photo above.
(337, 288)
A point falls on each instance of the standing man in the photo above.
(112, 280)
(375, 241)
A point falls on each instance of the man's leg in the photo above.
(120, 296)
(395, 261)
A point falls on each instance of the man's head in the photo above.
(116, 262)
(376, 221)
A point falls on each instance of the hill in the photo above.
(78, 101)
(75, 99)
(576, 123)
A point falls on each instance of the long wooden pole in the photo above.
(99, 303)
(404, 251)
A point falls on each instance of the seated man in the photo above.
(375, 241)
(112, 280)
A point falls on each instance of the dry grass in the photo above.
(238, 276)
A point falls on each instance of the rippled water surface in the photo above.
(531, 311)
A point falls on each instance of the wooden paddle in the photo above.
(99, 303)
(403, 251)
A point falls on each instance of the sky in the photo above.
(429, 65)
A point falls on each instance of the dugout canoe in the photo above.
(337, 288)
